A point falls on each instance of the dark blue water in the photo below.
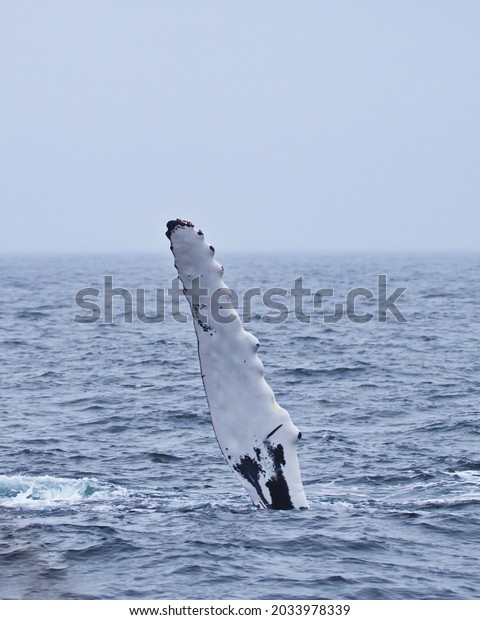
(111, 481)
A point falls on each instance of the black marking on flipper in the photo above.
(204, 326)
(178, 223)
(196, 308)
(250, 469)
(277, 485)
(274, 430)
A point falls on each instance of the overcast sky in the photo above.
(273, 125)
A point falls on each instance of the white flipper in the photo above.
(256, 436)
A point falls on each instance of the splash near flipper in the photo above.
(256, 436)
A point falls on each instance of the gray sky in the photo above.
(273, 125)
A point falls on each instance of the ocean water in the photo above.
(111, 481)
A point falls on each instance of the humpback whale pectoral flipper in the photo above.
(256, 436)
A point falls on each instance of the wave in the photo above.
(24, 492)
(340, 370)
(42, 490)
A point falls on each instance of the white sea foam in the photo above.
(41, 490)
(470, 476)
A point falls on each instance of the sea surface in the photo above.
(112, 484)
